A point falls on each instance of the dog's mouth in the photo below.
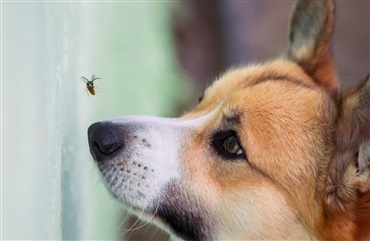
(184, 214)
(172, 210)
(186, 227)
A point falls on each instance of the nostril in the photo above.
(107, 148)
(96, 145)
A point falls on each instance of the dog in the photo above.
(273, 150)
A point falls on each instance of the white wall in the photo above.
(50, 187)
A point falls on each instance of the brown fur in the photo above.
(305, 168)
(336, 206)
(346, 181)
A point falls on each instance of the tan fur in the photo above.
(298, 136)
(288, 132)
(305, 172)
(267, 141)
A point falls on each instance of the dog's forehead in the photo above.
(243, 86)
(239, 78)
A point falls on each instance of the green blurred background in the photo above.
(154, 58)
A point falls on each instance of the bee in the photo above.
(90, 84)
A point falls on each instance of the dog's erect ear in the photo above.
(349, 173)
(310, 32)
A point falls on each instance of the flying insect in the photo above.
(90, 84)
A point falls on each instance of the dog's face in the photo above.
(250, 140)
(251, 161)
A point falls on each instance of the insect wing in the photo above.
(93, 78)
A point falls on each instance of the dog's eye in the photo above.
(231, 145)
(227, 144)
(200, 99)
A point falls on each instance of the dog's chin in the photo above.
(170, 211)
(174, 218)
(149, 216)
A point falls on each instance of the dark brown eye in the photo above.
(231, 145)
(226, 144)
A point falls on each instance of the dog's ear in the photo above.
(349, 173)
(310, 32)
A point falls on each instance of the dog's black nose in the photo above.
(104, 140)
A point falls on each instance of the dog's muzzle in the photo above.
(139, 158)
(106, 140)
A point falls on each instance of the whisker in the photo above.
(128, 214)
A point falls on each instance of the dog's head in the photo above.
(273, 151)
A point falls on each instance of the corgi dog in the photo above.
(274, 151)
